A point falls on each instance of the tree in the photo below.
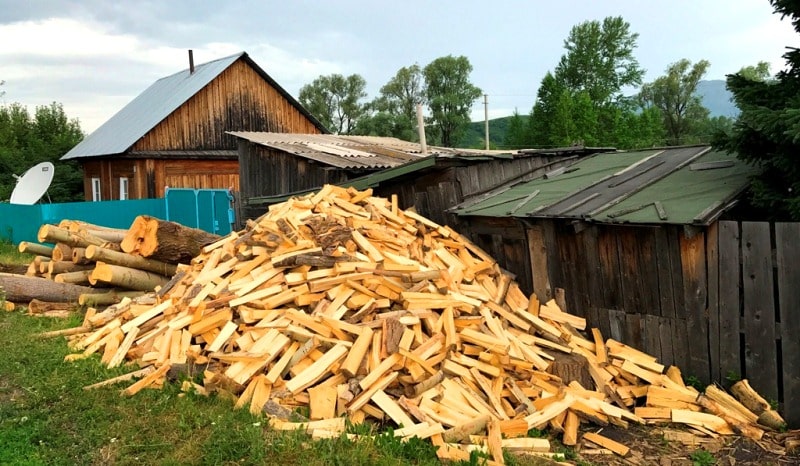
(674, 95)
(517, 136)
(394, 112)
(26, 140)
(335, 101)
(599, 59)
(450, 96)
(759, 72)
(767, 131)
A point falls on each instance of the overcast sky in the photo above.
(95, 56)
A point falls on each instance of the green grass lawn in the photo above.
(10, 255)
(47, 418)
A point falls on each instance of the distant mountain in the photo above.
(713, 93)
(716, 98)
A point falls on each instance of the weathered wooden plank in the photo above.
(591, 267)
(617, 323)
(628, 270)
(609, 267)
(665, 335)
(712, 267)
(728, 308)
(633, 330)
(537, 251)
(666, 294)
(759, 309)
(788, 250)
(680, 343)
(647, 278)
(651, 335)
(693, 263)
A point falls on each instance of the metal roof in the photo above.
(157, 102)
(345, 152)
(681, 185)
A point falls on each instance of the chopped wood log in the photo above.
(35, 248)
(22, 288)
(53, 234)
(126, 277)
(37, 306)
(103, 298)
(757, 404)
(165, 241)
(80, 277)
(8, 306)
(739, 426)
(55, 267)
(109, 256)
(569, 367)
(62, 252)
(64, 332)
(79, 256)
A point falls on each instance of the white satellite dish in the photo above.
(32, 185)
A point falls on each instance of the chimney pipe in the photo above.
(191, 62)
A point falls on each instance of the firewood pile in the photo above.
(96, 265)
(345, 304)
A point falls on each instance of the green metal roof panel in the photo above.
(575, 178)
(693, 194)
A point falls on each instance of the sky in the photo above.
(95, 56)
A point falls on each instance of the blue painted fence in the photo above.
(207, 209)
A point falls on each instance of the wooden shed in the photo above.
(641, 244)
(174, 133)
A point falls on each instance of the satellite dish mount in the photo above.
(33, 184)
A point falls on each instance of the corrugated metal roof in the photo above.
(157, 102)
(346, 152)
(682, 185)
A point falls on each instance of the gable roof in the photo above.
(158, 101)
(680, 185)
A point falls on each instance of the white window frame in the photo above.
(123, 188)
(96, 192)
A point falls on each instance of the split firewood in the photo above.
(165, 241)
(758, 405)
(348, 305)
(47, 309)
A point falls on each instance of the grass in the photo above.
(9, 254)
(702, 458)
(47, 418)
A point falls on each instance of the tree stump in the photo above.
(571, 367)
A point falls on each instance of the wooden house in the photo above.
(635, 240)
(174, 133)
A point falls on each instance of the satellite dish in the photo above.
(32, 185)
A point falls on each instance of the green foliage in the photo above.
(767, 131)
(45, 136)
(693, 381)
(9, 254)
(394, 112)
(732, 377)
(674, 96)
(600, 60)
(450, 96)
(702, 458)
(335, 100)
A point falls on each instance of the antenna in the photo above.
(32, 185)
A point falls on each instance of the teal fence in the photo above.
(207, 209)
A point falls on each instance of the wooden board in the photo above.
(788, 250)
(728, 299)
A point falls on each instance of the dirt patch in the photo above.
(649, 446)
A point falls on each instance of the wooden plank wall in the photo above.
(236, 100)
(721, 303)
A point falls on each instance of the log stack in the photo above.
(87, 255)
(343, 303)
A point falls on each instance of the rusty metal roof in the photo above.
(157, 102)
(346, 152)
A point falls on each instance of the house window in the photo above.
(96, 190)
(123, 189)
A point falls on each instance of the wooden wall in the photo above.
(264, 171)
(239, 99)
(147, 178)
(721, 302)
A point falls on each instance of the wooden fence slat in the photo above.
(538, 255)
(680, 344)
(730, 361)
(652, 336)
(712, 267)
(759, 309)
(665, 333)
(609, 267)
(666, 293)
(617, 323)
(693, 262)
(788, 252)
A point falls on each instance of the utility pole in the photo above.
(486, 118)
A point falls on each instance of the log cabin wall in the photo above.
(239, 99)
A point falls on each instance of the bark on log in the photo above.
(107, 298)
(53, 234)
(79, 256)
(757, 404)
(22, 288)
(57, 267)
(165, 241)
(126, 277)
(37, 306)
(128, 260)
(81, 277)
(35, 248)
(572, 367)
